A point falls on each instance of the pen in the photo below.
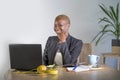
(74, 67)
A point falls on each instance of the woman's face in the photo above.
(61, 26)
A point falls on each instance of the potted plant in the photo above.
(111, 22)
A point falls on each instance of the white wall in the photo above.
(31, 21)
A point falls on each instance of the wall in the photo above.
(31, 21)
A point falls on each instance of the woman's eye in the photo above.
(61, 25)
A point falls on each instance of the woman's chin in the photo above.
(58, 32)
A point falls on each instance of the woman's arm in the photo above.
(70, 56)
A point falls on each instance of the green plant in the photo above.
(111, 23)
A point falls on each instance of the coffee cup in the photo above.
(93, 59)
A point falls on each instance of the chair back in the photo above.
(86, 50)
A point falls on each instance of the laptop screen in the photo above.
(25, 56)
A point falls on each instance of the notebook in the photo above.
(79, 68)
(25, 56)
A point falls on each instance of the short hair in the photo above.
(62, 17)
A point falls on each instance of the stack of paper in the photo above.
(79, 68)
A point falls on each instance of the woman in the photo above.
(62, 49)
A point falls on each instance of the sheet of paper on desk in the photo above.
(79, 68)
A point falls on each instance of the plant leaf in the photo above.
(105, 10)
(117, 11)
(101, 32)
(106, 20)
(98, 40)
(105, 27)
(96, 36)
(113, 14)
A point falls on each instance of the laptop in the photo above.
(25, 56)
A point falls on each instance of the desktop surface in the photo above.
(105, 73)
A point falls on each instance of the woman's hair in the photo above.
(62, 17)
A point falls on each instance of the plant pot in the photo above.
(115, 46)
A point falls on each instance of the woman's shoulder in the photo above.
(75, 39)
(75, 42)
(52, 38)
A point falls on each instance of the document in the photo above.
(79, 68)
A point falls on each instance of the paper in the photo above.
(79, 68)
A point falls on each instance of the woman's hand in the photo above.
(62, 36)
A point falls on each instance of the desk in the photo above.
(105, 55)
(101, 74)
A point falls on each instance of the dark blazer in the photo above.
(70, 50)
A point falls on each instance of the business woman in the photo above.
(62, 49)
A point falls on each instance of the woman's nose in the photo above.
(57, 27)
